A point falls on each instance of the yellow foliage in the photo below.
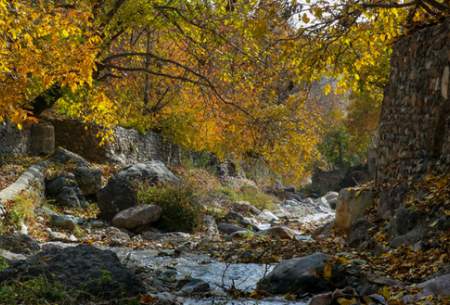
(41, 45)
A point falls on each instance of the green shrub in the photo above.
(251, 194)
(3, 264)
(36, 291)
(20, 210)
(41, 291)
(180, 208)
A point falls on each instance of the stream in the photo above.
(221, 276)
(217, 274)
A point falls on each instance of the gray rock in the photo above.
(212, 232)
(268, 216)
(439, 286)
(409, 238)
(331, 198)
(322, 299)
(67, 222)
(45, 211)
(121, 191)
(352, 204)
(70, 197)
(89, 179)
(279, 232)
(11, 257)
(229, 228)
(359, 233)
(64, 156)
(116, 236)
(58, 236)
(246, 208)
(137, 216)
(403, 221)
(379, 299)
(64, 189)
(297, 275)
(195, 286)
(234, 217)
(31, 183)
(97, 272)
(19, 243)
(95, 223)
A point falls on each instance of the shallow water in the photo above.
(217, 274)
(240, 302)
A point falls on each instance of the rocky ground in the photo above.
(93, 236)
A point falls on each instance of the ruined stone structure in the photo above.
(128, 146)
(34, 139)
(14, 141)
(414, 131)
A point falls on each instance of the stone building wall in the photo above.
(414, 131)
(127, 146)
(14, 141)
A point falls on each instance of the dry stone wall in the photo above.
(14, 141)
(128, 146)
(414, 131)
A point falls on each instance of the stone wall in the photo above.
(337, 179)
(415, 119)
(128, 145)
(14, 141)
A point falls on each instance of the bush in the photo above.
(251, 194)
(40, 291)
(19, 211)
(35, 291)
(180, 208)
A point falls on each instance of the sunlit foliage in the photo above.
(230, 77)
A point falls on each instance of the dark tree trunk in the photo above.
(46, 99)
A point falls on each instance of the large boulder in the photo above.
(297, 275)
(352, 205)
(137, 216)
(96, 272)
(121, 191)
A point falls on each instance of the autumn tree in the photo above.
(231, 77)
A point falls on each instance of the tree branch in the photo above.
(388, 5)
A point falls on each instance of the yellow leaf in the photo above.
(64, 33)
(305, 18)
(343, 301)
(328, 271)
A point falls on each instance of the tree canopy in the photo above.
(232, 77)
